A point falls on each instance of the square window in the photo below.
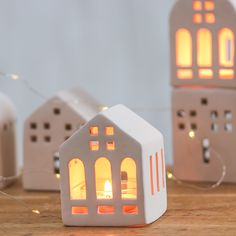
(46, 125)
(93, 131)
(197, 5)
(94, 145)
(193, 126)
(109, 130)
(132, 209)
(33, 138)
(214, 127)
(204, 101)
(228, 115)
(57, 111)
(68, 126)
(33, 125)
(197, 18)
(47, 139)
(180, 113)
(182, 126)
(105, 210)
(193, 113)
(79, 210)
(228, 127)
(110, 145)
(209, 6)
(210, 18)
(214, 115)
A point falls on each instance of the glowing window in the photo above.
(226, 48)
(105, 210)
(94, 131)
(205, 74)
(210, 18)
(163, 168)
(110, 145)
(157, 173)
(109, 130)
(184, 73)
(183, 48)
(204, 47)
(103, 179)
(151, 175)
(79, 210)
(94, 145)
(197, 18)
(131, 209)
(209, 5)
(77, 179)
(197, 5)
(226, 74)
(128, 179)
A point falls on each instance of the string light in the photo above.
(191, 134)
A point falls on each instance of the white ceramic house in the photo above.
(113, 172)
(202, 36)
(46, 129)
(7, 142)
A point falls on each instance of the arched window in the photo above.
(226, 53)
(77, 179)
(204, 53)
(128, 179)
(103, 179)
(184, 53)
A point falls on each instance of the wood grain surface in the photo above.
(190, 212)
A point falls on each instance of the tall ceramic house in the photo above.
(46, 129)
(7, 142)
(113, 172)
(203, 77)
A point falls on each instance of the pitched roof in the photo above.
(132, 124)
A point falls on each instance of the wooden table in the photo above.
(190, 212)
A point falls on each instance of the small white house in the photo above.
(113, 172)
(46, 129)
(7, 142)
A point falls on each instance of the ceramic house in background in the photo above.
(202, 34)
(46, 129)
(7, 142)
(113, 172)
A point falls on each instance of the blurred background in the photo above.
(117, 50)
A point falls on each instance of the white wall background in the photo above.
(118, 50)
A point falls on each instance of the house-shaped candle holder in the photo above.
(113, 172)
(46, 129)
(7, 142)
(202, 34)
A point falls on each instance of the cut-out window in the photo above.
(214, 127)
(33, 125)
(210, 18)
(46, 125)
(93, 131)
(77, 179)
(226, 48)
(105, 210)
(228, 127)
(197, 5)
(67, 137)
(204, 101)
(193, 113)
(47, 139)
(56, 161)
(94, 145)
(151, 175)
(184, 73)
(181, 126)
(214, 115)
(33, 138)
(130, 209)
(183, 48)
(79, 210)
(103, 179)
(193, 126)
(157, 172)
(110, 145)
(181, 113)
(128, 179)
(57, 111)
(197, 18)
(109, 130)
(204, 48)
(205, 73)
(206, 150)
(163, 168)
(68, 126)
(209, 5)
(228, 115)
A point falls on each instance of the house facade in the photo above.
(46, 129)
(113, 172)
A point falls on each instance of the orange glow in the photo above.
(94, 145)
(197, 18)
(226, 74)
(109, 131)
(151, 176)
(128, 179)
(132, 209)
(94, 131)
(103, 179)
(184, 74)
(77, 179)
(157, 173)
(79, 210)
(163, 168)
(197, 5)
(205, 74)
(110, 145)
(209, 5)
(204, 47)
(226, 48)
(183, 48)
(105, 210)
(210, 18)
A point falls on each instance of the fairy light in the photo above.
(191, 134)
(58, 176)
(104, 108)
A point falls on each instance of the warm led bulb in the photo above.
(169, 175)
(191, 134)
